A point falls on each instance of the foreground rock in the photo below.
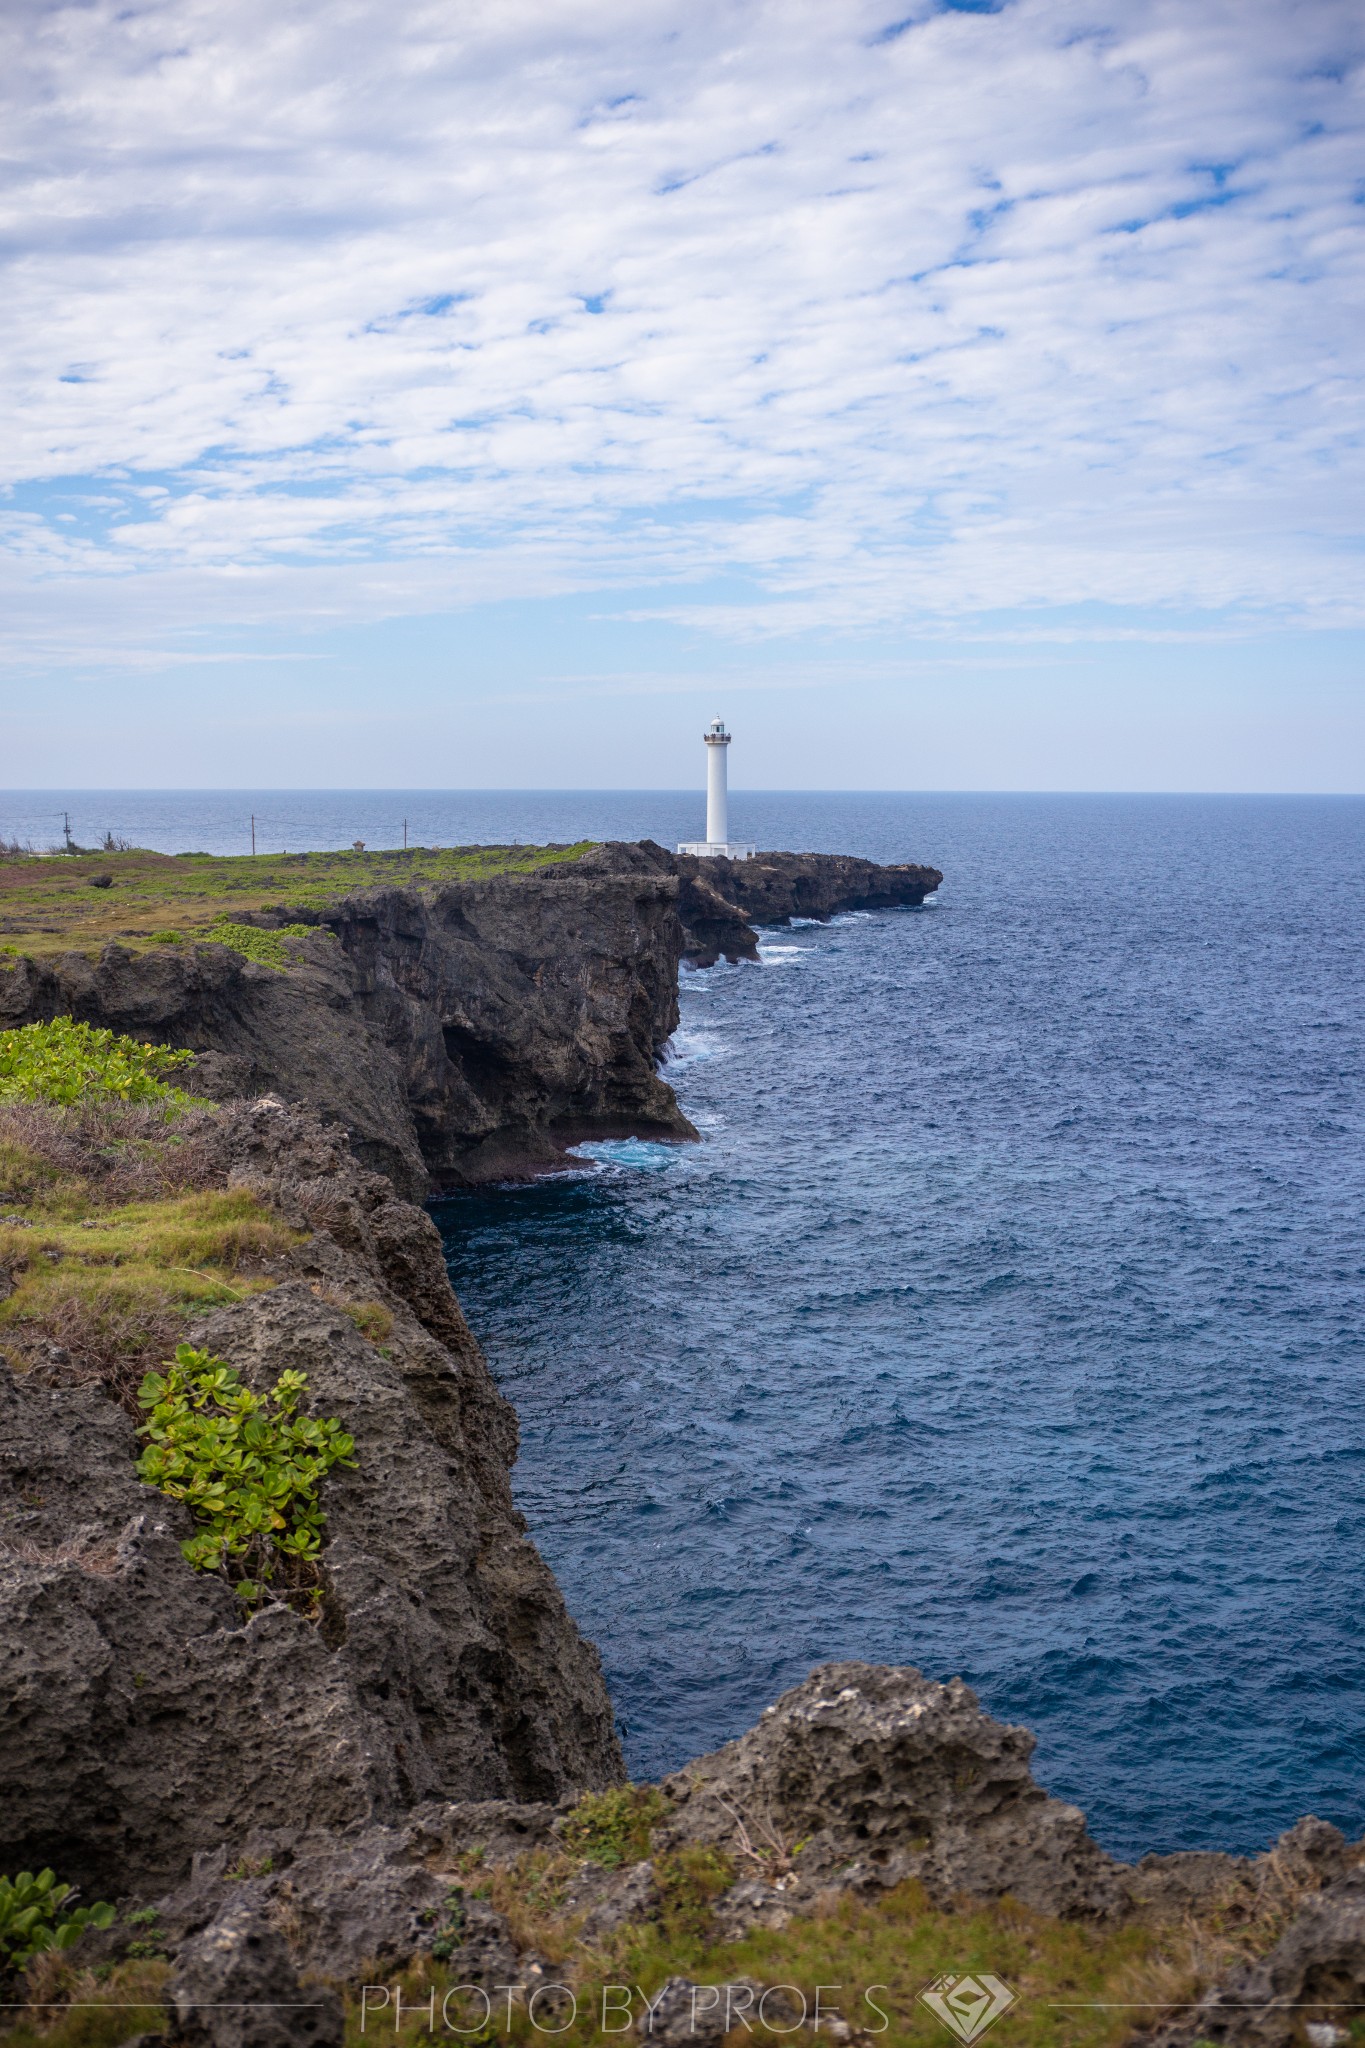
(857, 1779)
(235, 1987)
(881, 1775)
(144, 1719)
(470, 1031)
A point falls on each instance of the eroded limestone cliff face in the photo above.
(470, 1031)
(144, 1716)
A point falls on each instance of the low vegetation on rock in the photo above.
(247, 1466)
(38, 1915)
(116, 1229)
(265, 946)
(613, 1827)
(65, 1062)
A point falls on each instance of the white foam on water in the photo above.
(686, 1048)
(643, 1154)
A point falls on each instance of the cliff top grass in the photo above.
(113, 1283)
(62, 903)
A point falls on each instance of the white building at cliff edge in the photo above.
(717, 843)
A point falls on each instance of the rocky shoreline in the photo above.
(421, 1786)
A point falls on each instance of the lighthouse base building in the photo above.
(717, 844)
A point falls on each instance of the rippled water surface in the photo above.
(1006, 1321)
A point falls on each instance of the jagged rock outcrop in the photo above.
(470, 1031)
(882, 1774)
(144, 1718)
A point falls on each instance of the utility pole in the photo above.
(405, 835)
(66, 828)
(253, 832)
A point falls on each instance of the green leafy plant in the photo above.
(451, 1933)
(35, 1916)
(253, 943)
(166, 938)
(65, 1062)
(613, 1827)
(246, 1465)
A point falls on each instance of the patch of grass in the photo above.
(689, 1881)
(113, 1287)
(372, 1319)
(68, 1161)
(65, 1062)
(613, 1827)
(47, 906)
(75, 2009)
(1076, 1986)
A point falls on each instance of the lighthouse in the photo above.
(717, 789)
(717, 843)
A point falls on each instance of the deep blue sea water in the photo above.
(1007, 1320)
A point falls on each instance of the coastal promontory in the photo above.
(464, 1014)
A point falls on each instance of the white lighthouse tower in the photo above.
(717, 843)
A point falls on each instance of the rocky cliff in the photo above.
(144, 1715)
(463, 1031)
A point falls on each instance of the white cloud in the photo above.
(414, 304)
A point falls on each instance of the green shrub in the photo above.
(166, 938)
(66, 1062)
(264, 947)
(612, 1827)
(32, 1920)
(246, 1465)
(689, 1881)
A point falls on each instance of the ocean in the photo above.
(1007, 1319)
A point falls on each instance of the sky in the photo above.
(413, 394)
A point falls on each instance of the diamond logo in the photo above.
(967, 2005)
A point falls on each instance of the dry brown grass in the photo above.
(97, 1154)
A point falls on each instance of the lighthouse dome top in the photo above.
(715, 734)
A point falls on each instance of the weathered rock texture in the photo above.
(853, 1781)
(882, 1775)
(472, 1031)
(142, 1718)
(235, 1987)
